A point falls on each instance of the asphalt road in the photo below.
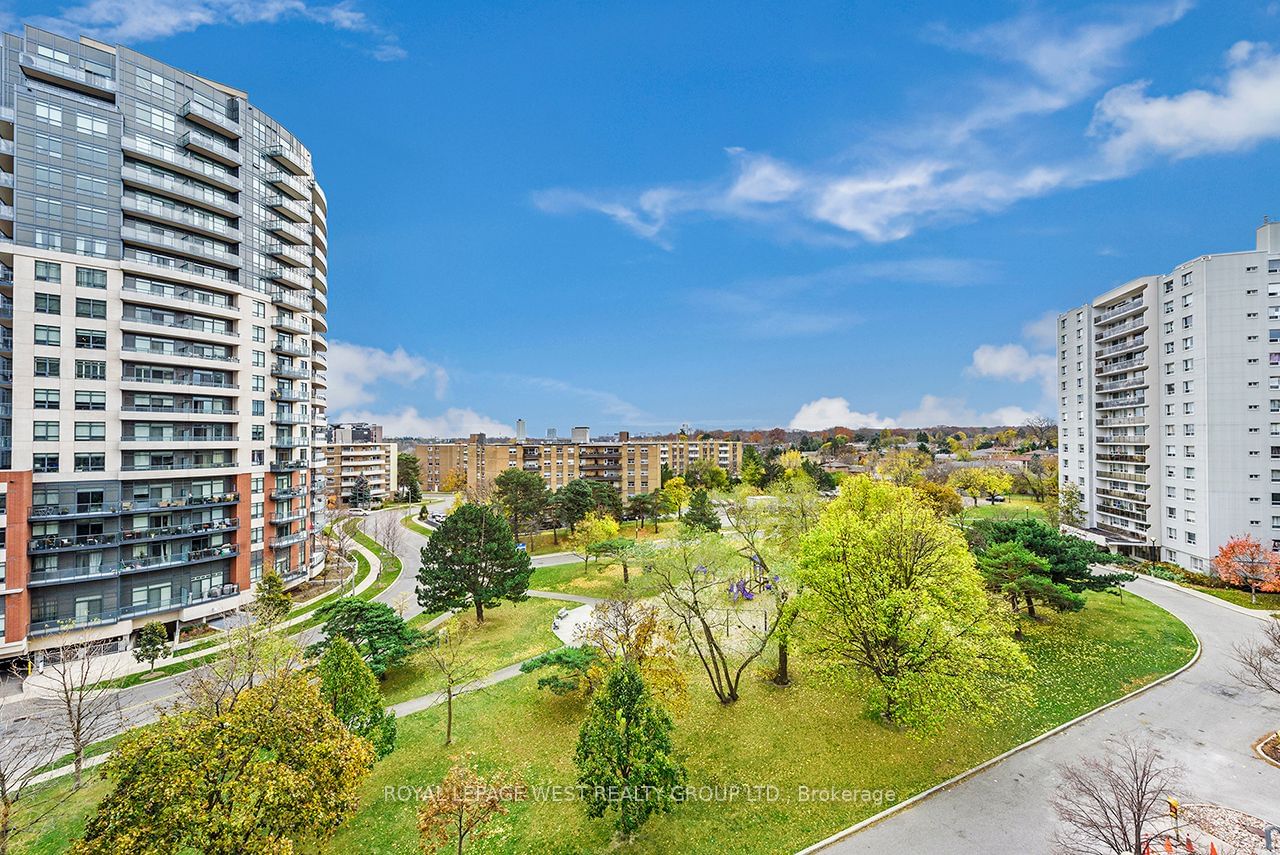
(1203, 719)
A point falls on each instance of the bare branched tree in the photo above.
(1115, 804)
(388, 531)
(1258, 661)
(81, 704)
(456, 663)
(251, 657)
(23, 753)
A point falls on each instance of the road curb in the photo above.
(1000, 758)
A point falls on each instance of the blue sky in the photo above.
(740, 214)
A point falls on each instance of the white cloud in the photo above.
(825, 413)
(1012, 362)
(1244, 112)
(145, 20)
(356, 370)
(604, 402)
(407, 421)
(1043, 331)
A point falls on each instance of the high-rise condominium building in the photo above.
(632, 466)
(359, 474)
(1170, 406)
(162, 319)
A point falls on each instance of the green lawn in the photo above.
(815, 733)
(1266, 601)
(543, 542)
(812, 734)
(593, 581)
(511, 633)
(1012, 507)
(411, 522)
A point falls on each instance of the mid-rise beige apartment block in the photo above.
(633, 466)
(345, 463)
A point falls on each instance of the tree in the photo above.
(24, 755)
(625, 758)
(903, 466)
(1072, 560)
(83, 708)
(678, 492)
(702, 515)
(629, 632)
(472, 559)
(893, 593)
(463, 804)
(523, 497)
(275, 772)
(1066, 507)
(382, 638)
(456, 663)
(752, 472)
(1042, 430)
(594, 528)
(271, 604)
(606, 500)
(724, 605)
(622, 551)
(361, 493)
(707, 475)
(454, 481)
(574, 500)
(944, 501)
(350, 687)
(643, 506)
(1245, 562)
(1018, 574)
(1115, 804)
(573, 666)
(409, 476)
(1038, 478)
(153, 640)
(978, 481)
(249, 658)
(1258, 660)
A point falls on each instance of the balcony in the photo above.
(291, 348)
(320, 301)
(186, 218)
(184, 436)
(288, 540)
(159, 291)
(180, 161)
(194, 351)
(1117, 385)
(290, 159)
(1132, 514)
(63, 74)
(185, 463)
(290, 419)
(320, 278)
(319, 379)
(319, 342)
(288, 516)
(217, 592)
(319, 197)
(291, 493)
(1123, 458)
(289, 395)
(281, 466)
(1129, 477)
(1121, 365)
(291, 185)
(1120, 329)
(319, 258)
(186, 190)
(1118, 311)
(291, 324)
(1124, 439)
(178, 502)
(299, 301)
(72, 622)
(291, 232)
(289, 371)
(212, 147)
(184, 244)
(63, 575)
(295, 276)
(54, 543)
(291, 442)
(178, 559)
(211, 117)
(1121, 422)
(1117, 403)
(288, 208)
(1137, 343)
(1122, 494)
(179, 380)
(294, 256)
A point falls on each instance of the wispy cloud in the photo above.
(356, 373)
(957, 165)
(132, 21)
(932, 411)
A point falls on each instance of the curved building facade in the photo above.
(163, 288)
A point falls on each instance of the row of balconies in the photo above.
(1124, 401)
(54, 543)
(180, 161)
(1120, 329)
(1117, 385)
(130, 506)
(1124, 439)
(1120, 365)
(106, 616)
(1119, 310)
(180, 380)
(209, 224)
(186, 190)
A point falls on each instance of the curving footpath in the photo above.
(1201, 718)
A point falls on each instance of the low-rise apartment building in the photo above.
(1169, 392)
(359, 474)
(633, 466)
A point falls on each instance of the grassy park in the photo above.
(1013, 507)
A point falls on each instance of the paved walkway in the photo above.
(1202, 718)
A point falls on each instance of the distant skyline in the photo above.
(734, 215)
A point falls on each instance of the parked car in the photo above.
(359, 512)
(995, 499)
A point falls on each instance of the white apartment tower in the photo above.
(1169, 406)
(162, 314)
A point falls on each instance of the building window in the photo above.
(44, 463)
(48, 304)
(48, 335)
(90, 369)
(44, 431)
(48, 271)
(91, 400)
(93, 462)
(86, 308)
(91, 339)
(47, 366)
(91, 277)
(46, 399)
(91, 431)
